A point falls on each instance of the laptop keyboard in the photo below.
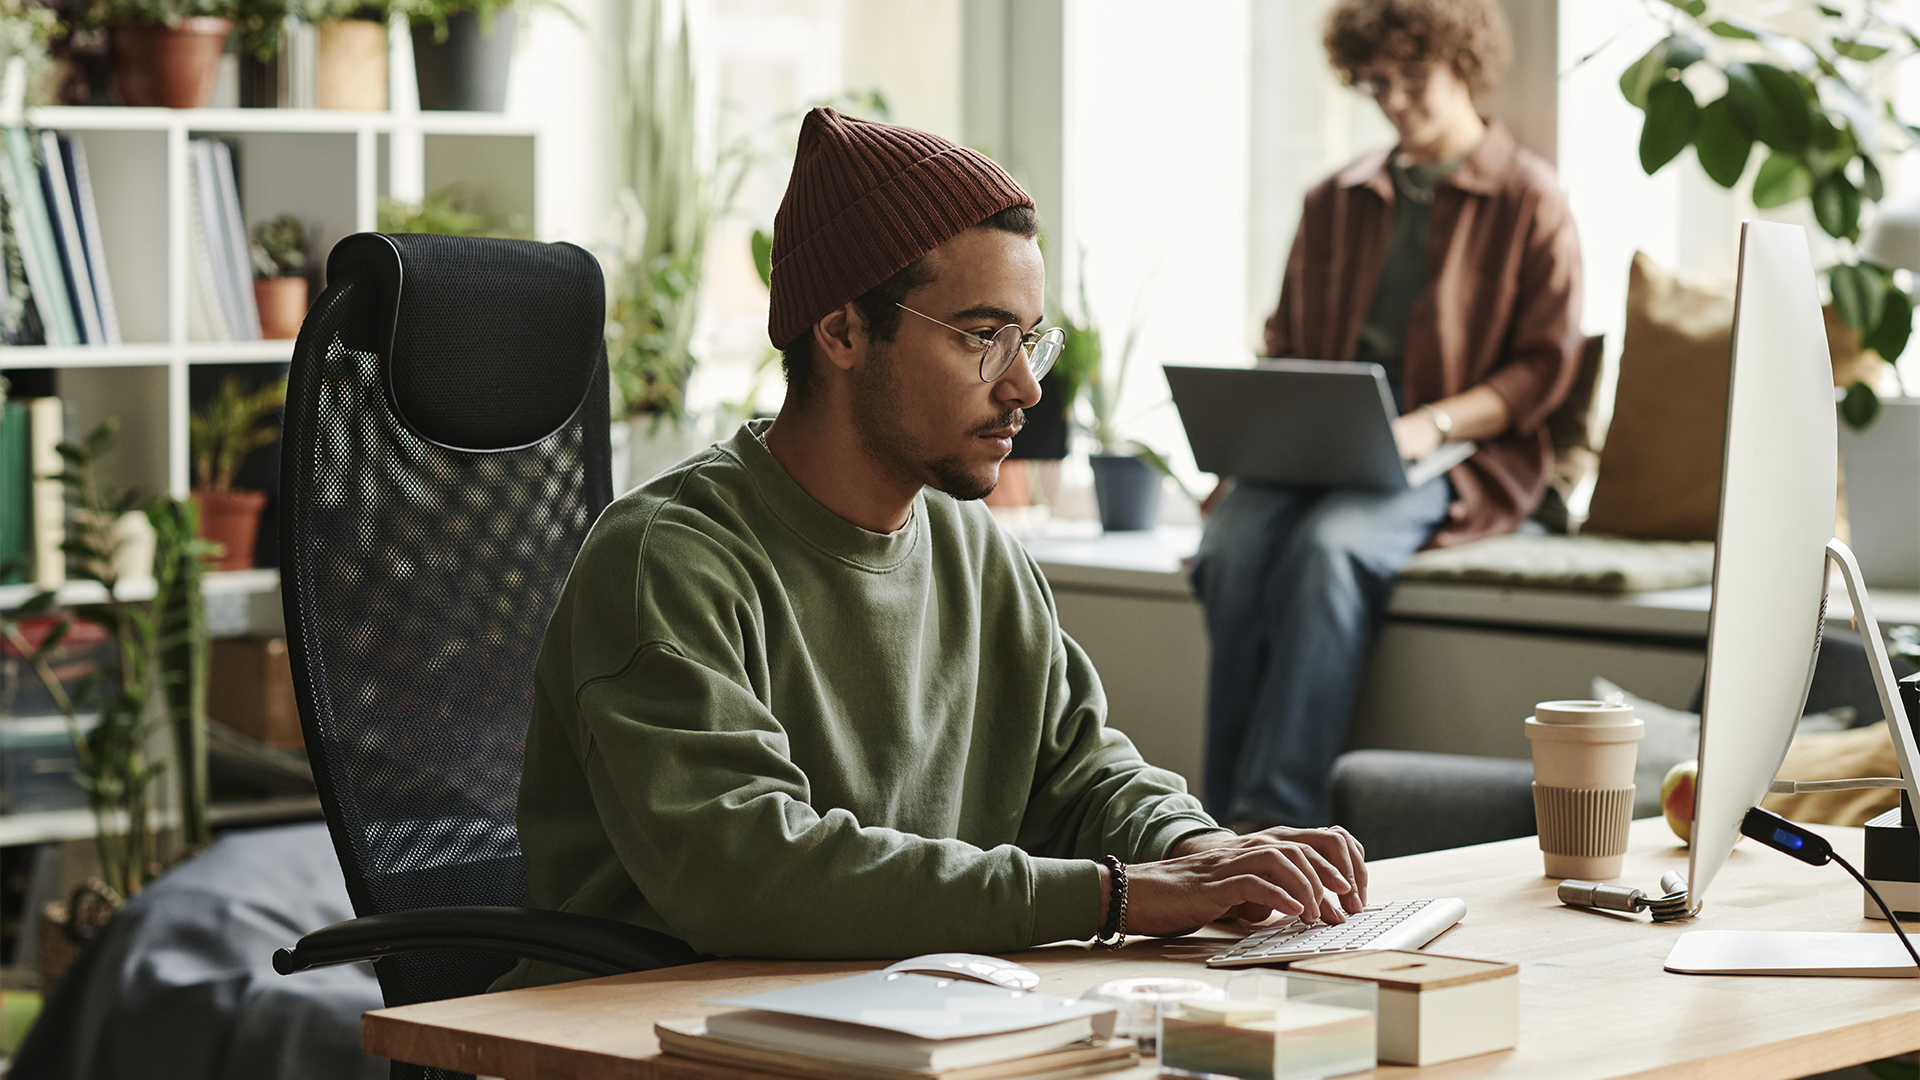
(1402, 924)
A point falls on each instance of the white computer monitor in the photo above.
(1777, 502)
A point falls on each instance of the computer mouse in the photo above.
(971, 966)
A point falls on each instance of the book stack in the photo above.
(220, 302)
(55, 272)
(32, 500)
(893, 1026)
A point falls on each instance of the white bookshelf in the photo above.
(327, 167)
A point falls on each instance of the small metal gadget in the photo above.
(1671, 907)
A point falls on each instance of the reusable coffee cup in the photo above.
(1583, 756)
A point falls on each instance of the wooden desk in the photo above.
(1594, 1001)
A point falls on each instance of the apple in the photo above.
(1676, 798)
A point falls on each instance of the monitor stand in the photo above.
(1803, 952)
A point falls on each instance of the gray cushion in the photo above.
(1588, 563)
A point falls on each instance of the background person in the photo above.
(1450, 260)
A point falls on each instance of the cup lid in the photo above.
(1584, 711)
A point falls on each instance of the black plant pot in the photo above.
(1128, 491)
(468, 71)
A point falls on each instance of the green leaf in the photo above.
(1770, 104)
(1859, 407)
(1725, 29)
(1871, 184)
(1889, 338)
(763, 257)
(1860, 295)
(1673, 53)
(1722, 147)
(1781, 180)
(1672, 118)
(1854, 50)
(1836, 206)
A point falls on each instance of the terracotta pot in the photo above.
(171, 65)
(352, 66)
(283, 306)
(230, 518)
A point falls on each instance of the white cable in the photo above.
(1801, 787)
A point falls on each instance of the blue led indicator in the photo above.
(1788, 840)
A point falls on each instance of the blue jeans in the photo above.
(1295, 582)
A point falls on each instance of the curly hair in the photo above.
(1471, 35)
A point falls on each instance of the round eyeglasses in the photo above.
(1043, 348)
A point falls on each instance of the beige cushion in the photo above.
(1588, 563)
(1660, 467)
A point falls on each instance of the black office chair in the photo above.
(445, 454)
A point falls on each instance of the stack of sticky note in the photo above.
(1317, 1029)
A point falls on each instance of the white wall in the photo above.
(1157, 120)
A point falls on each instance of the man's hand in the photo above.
(1319, 874)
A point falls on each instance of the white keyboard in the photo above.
(1403, 924)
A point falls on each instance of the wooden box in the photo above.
(250, 689)
(1434, 1008)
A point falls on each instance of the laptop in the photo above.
(1882, 515)
(1303, 423)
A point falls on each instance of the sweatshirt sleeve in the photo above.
(1094, 795)
(707, 812)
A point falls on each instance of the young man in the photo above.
(1451, 261)
(802, 698)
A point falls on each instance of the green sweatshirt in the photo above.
(766, 731)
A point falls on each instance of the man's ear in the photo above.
(841, 337)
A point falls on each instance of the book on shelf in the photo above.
(66, 234)
(33, 228)
(80, 186)
(234, 229)
(46, 427)
(16, 495)
(221, 305)
(19, 317)
(917, 1023)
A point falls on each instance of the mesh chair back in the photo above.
(445, 454)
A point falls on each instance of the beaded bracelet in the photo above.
(1114, 934)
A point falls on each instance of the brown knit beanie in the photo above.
(865, 200)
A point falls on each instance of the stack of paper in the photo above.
(883, 1026)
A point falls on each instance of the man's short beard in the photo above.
(876, 406)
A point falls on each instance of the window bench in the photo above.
(1457, 667)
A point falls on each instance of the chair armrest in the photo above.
(581, 942)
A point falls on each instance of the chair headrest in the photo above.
(488, 344)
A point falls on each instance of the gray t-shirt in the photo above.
(1383, 335)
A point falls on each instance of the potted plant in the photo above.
(1128, 475)
(165, 52)
(350, 53)
(152, 682)
(278, 249)
(28, 31)
(231, 426)
(1814, 103)
(666, 199)
(462, 51)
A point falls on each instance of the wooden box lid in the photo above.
(1415, 971)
